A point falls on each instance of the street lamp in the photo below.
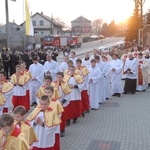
(7, 22)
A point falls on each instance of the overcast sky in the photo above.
(68, 10)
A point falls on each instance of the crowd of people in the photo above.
(62, 93)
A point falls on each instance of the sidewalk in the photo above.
(119, 124)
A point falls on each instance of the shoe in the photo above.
(68, 123)
(119, 95)
(115, 94)
(83, 114)
(74, 120)
(93, 109)
(62, 133)
(34, 104)
(107, 98)
(88, 111)
(124, 93)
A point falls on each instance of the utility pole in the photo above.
(7, 23)
(51, 24)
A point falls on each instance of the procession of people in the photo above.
(60, 94)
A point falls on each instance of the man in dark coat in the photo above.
(14, 61)
(6, 61)
(25, 58)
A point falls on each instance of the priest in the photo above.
(130, 69)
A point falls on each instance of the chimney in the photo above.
(41, 13)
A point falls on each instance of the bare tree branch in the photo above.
(141, 2)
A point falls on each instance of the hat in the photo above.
(13, 51)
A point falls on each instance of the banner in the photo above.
(29, 25)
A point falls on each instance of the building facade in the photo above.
(16, 36)
(81, 26)
(45, 25)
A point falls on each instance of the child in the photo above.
(70, 63)
(57, 107)
(84, 95)
(19, 79)
(64, 90)
(24, 126)
(75, 82)
(44, 120)
(26, 72)
(48, 82)
(14, 138)
(6, 92)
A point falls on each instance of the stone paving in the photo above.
(119, 124)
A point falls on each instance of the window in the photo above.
(41, 23)
(34, 23)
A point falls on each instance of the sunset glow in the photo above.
(119, 10)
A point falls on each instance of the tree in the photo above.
(58, 20)
(148, 17)
(133, 26)
(140, 4)
(104, 29)
(112, 28)
(97, 24)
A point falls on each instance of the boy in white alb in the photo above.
(64, 91)
(44, 120)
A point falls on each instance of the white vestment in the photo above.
(37, 71)
(74, 61)
(46, 135)
(75, 93)
(63, 67)
(64, 96)
(133, 66)
(143, 66)
(106, 73)
(86, 63)
(93, 88)
(108, 58)
(53, 67)
(8, 97)
(85, 80)
(123, 58)
(146, 70)
(116, 76)
(101, 82)
(20, 90)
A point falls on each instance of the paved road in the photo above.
(119, 124)
(88, 47)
